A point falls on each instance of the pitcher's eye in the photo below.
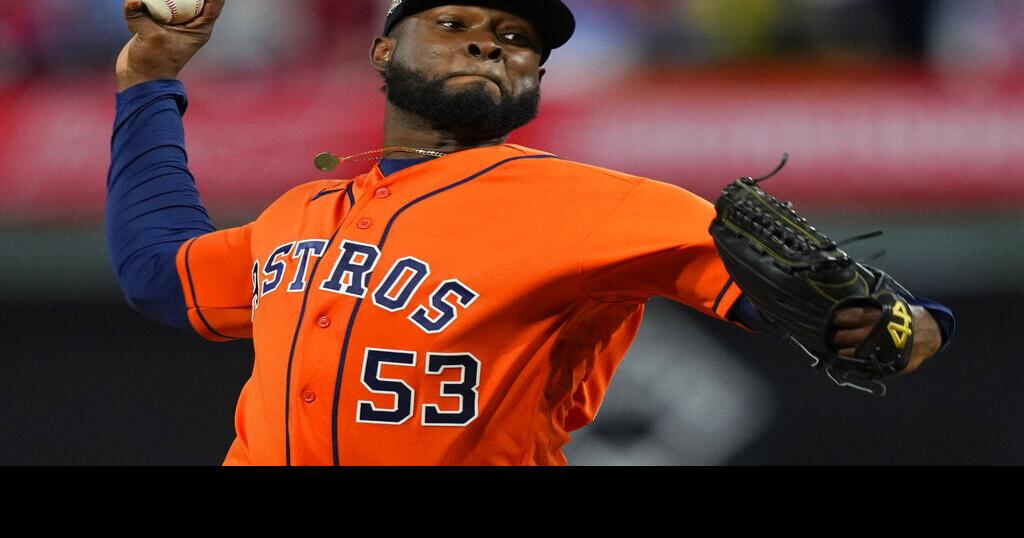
(451, 24)
(518, 39)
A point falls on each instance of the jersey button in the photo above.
(364, 224)
(383, 192)
(323, 322)
(308, 396)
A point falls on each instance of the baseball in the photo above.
(174, 11)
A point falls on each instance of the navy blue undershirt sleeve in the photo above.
(152, 202)
(746, 313)
(943, 317)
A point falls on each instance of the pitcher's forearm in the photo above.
(152, 202)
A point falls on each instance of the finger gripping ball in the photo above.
(174, 11)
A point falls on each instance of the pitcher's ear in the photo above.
(380, 54)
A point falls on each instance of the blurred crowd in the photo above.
(69, 36)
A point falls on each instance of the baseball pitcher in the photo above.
(465, 301)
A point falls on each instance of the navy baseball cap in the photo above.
(553, 18)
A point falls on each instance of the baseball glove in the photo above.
(798, 279)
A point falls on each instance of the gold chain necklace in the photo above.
(328, 161)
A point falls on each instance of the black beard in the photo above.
(470, 114)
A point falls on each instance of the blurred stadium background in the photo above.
(901, 115)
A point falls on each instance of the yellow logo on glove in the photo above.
(900, 332)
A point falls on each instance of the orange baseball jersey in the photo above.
(471, 309)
